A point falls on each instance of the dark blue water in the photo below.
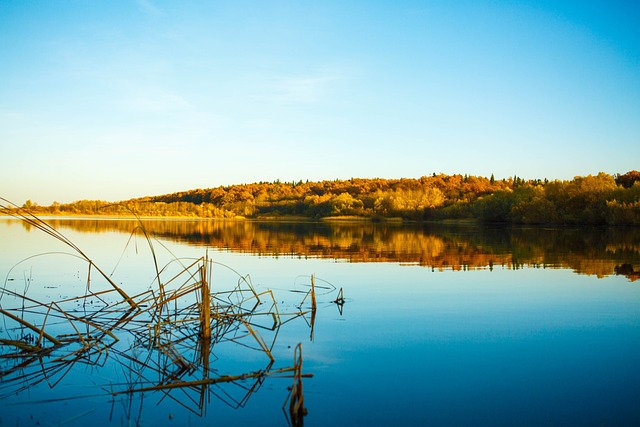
(412, 345)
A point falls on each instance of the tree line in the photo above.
(600, 199)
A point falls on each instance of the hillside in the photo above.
(590, 200)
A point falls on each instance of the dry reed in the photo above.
(175, 329)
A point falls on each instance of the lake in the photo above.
(439, 325)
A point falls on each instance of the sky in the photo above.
(111, 100)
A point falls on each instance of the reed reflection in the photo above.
(166, 341)
(600, 252)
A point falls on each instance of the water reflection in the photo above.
(484, 347)
(600, 252)
(167, 341)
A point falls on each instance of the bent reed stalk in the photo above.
(172, 349)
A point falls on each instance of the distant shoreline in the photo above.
(598, 200)
(280, 218)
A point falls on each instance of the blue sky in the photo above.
(117, 99)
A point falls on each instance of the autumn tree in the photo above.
(628, 179)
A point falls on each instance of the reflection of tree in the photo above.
(599, 252)
(628, 270)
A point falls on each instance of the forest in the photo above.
(600, 199)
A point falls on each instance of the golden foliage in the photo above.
(599, 199)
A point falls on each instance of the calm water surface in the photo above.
(442, 325)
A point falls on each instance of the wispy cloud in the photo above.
(307, 88)
(11, 116)
(148, 7)
(155, 100)
(303, 89)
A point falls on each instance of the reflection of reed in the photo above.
(174, 331)
(600, 252)
(172, 352)
(297, 411)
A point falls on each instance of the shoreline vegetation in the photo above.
(602, 199)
